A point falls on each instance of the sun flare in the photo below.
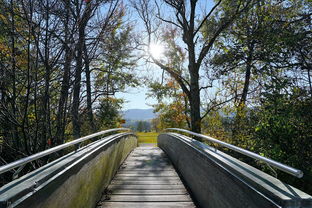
(156, 50)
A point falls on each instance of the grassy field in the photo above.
(147, 137)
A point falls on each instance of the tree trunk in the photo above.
(240, 118)
(246, 84)
(193, 68)
(195, 112)
(61, 113)
(89, 92)
(186, 112)
(13, 76)
(195, 101)
(76, 93)
(63, 98)
(25, 124)
(247, 76)
(310, 82)
(46, 134)
(77, 83)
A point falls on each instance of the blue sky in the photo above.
(136, 98)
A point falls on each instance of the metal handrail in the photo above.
(285, 168)
(38, 155)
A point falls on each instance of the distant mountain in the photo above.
(139, 114)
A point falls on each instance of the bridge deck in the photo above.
(146, 179)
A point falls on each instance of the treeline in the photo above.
(61, 62)
(139, 125)
(244, 68)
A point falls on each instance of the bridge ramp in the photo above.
(146, 179)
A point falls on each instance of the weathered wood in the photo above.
(146, 169)
(147, 162)
(139, 158)
(144, 187)
(147, 173)
(155, 182)
(149, 198)
(148, 192)
(146, 205)
(146, 179)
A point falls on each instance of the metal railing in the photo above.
(21, 162)
(285, 168)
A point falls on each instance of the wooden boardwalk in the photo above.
(146, 179)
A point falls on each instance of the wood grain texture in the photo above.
(107, 204)
(146, 179)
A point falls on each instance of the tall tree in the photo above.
(189, 21)
(266, 56)
(65, 86)
(45, 47)
(82, 24)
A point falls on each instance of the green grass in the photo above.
(147, 137)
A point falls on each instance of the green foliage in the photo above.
(42, 46)
(171, 108)
(213, 125)
(115, 69)
(171, 115)
(284, 132)
(242, 127)
(265, 55)
(108, 113)
(143, 126)
(155, 124)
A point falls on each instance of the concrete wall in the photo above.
(73, 181)
(217, 180)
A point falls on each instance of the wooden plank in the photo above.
(146, 165)
(153, 155)
(146, 158)
(156, 187)
(138, 162)
(149, 198)
(146, 173)
(147, 144)
(146, 169)
(148, 192)
(147, 178)
(133, 161)
(149, 157)
(147, 162)
(156, 182)
(147, 153)
(138, 151)
(108, 204)
(147, 148)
